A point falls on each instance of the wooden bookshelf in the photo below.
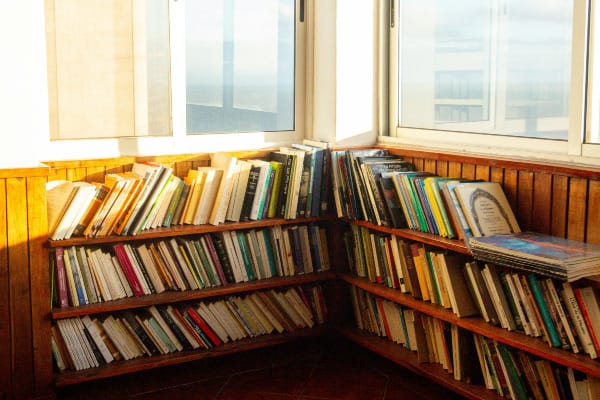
(408, 359)
(187, 230)
(189, 295)
(140, 364)
(457, 246)
(518, 340)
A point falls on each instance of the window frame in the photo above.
(574, 149)
(178, 140)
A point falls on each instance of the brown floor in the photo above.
(311, 369)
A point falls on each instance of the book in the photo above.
(210, 189)
(234, 210)
(461, 300)
(486, 208)
(227, 163)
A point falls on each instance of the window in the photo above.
(239, 65)
(123, 68)
(494, 74)
(486, 66)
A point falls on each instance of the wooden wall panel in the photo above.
(577, 208)
(468, 171)
(5, 305)
(497, 175)
(510, 186)
(441, 168)
(37, 223)
(454, 169)
(524, 209)
(482, 172)
(542, 202)
(593, 218)
(20, 291)
(560, 190)
(430, 166)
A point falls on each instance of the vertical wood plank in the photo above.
(510, 186)
(37, 223)
(497, 175)
(94, 174)
(542, 202)
(576, 216)
(5, 304)
(560, 189)
(593, 218)
(468, 171)
(482, 172)
(77, 174)
(524, 209)
(442, 168)
(429, 166)
(454, 169)
(419, 164)
(20, 294)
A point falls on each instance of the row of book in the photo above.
(291, 182)
(411, 267)
(375, 186)
(92, 274)
(372, 185)
(565, 315)
(470, 357)
(90, 341)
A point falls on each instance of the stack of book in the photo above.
(91, 274)
(291, 182)
(91, 341)
(543, 254)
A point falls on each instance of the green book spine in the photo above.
(536, 290)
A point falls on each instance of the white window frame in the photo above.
(179, 141)
(572, 150)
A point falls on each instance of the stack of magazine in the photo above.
(543, 254)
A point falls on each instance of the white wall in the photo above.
(344, 105)
(23, 84)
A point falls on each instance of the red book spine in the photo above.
(61, 277)
(384, 319)
(205, 328)
(132, 278)
(586, 318)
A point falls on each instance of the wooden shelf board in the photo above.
(67, 378)
(188, 295)
(518, 340)
(183, 230)
(457, 246)
(408, 359)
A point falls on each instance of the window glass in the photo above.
(500, 67)
(239, 65)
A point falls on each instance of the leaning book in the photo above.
(543, 254)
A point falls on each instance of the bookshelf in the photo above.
(521, 180)
(550, 198)
(270, 279)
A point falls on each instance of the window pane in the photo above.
(108, 68)
(240, 65)
(485, 66)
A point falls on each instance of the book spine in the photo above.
(538, 296)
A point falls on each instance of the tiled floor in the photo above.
(312, 369)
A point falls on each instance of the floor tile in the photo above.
(204, 390)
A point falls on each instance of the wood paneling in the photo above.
(542, 202)
(5, 305)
